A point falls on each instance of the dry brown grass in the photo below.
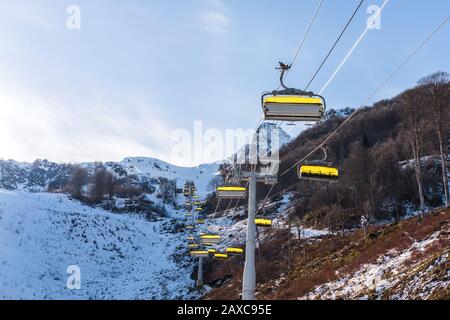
(323, 258)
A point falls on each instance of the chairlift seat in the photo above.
(234, 250)
(263, 222)
(210, 238)
(231, 192)
(293, 107)
(199, 253)
(318, 173)
(220, 256)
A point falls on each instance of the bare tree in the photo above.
(413, 113)
(289, 240)
(77, 181)
(437, 90)
(167, 190)
(110, 184)
(98, 189)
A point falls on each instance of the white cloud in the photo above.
(217, 4)
(32, 14)
(33, 127)
(215, 20)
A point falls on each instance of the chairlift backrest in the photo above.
(231, 192)
(293, 107)
(221, 256)
(263, 222)
(234, 250)
(199, 253)
(318, 172)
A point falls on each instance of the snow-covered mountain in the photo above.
(36, 176)
(43, 174)
(269, 137)
(154, 168)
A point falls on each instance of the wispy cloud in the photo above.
(33, 15)
(215, 20)
(34, 127)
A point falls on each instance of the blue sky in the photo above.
(138, 70)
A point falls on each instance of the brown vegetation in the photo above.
(328, 259)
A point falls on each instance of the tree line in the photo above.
(392, 159)
(102, 184)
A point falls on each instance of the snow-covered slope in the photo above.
(43, 174)
(119, 256)
(36, 176)
(394, 276)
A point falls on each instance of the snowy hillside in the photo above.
(402, 260)
(43, 174)
(120, 256)
(269, 137)
(394, 276)
(155, 168)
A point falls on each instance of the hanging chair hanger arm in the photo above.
(284, 68)
(325, 155)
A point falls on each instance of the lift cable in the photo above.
(217, 206)
(229, 204)
(382, 84)
(335, 44)
(316, 13)
(369, 25)
(306, 33)
(260, 122)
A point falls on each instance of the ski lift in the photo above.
(319, 170)
(292, 104)
(318, 173)
(220, 256)
(234, 250)
(263, 222)
(199, 253)
(211, 238)
(231, 192)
